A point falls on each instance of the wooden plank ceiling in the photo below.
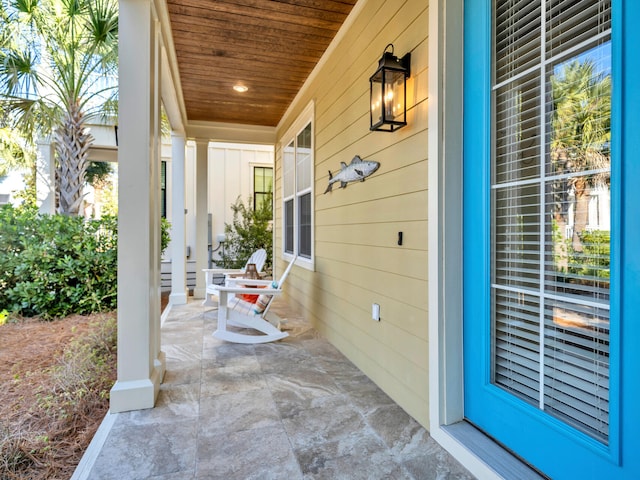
(269, 46)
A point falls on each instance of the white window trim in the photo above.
(305, 118)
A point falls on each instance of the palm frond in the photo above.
(18, 73)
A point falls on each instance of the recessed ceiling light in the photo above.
(240, 88)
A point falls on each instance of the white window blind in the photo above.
(550, 211)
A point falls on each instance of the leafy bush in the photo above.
(251, 230)
(56, 265)
(165, 234)
(593, 262)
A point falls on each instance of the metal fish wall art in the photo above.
(357, 170)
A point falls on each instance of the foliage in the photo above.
(580, 138)
(165, 234)
(58, 64)
(251, 230)
(594, 259)
(15, 153)
(55, 265)
(581, 123)
(98, 173)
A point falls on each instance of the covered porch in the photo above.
(308, 80)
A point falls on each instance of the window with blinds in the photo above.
(288, 191)
(550, 196)
(297, 191)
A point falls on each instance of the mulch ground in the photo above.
(29, 349)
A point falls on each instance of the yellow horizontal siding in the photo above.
(357, 259)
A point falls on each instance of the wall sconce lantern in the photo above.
(388, 87)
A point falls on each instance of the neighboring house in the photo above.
(104, 149)
(511, 348)
(9, 186)
(236, 171)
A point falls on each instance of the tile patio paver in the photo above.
(294, 409)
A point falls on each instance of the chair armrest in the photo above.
(233, 282)
(209, 273)
(224, 271)
(249, 290)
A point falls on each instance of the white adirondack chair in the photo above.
(238, 313)
(259, 257)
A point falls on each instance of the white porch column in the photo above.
(46, 177)
(202, 240)
(140, 361)
(178, 294)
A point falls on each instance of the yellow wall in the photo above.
(357, 259)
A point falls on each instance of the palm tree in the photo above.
(580, 136)
(58, 64)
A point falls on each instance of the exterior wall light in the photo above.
(388, 88)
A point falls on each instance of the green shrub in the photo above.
(165, 234)
(593, 262)
(56, 265)
(251, 230)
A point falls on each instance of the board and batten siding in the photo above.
(357, 259)
(231, 177)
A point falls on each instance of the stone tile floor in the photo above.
(294, 409)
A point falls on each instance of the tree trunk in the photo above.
(72, 148)
(581, 212)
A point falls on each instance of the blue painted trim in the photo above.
(629, 208)
(615, 331)
(554, 447)
(477, 148)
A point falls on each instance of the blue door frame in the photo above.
(555, 448)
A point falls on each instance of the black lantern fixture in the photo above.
(388, 87)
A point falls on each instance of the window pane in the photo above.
(576, 358)
(517, 237)
(288, 226)
(571, 22)
(303, 159)
(163, 189)
(579, 107)
(517, 130)
(262, 183)
(268, 180)
(258, 179)
(517, 37)
(288, 167)
(516, 345)
(305, 225)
